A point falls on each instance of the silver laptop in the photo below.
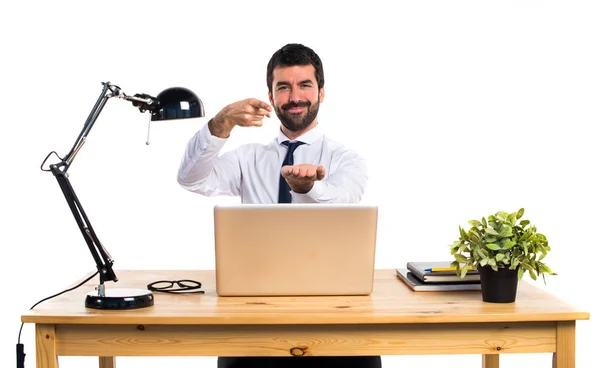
(294, 249)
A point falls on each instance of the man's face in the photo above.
(296, 96)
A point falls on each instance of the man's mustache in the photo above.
(291, 105)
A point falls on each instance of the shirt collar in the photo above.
(309, 137)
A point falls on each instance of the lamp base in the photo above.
(120, 299)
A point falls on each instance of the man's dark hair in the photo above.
(294, 54)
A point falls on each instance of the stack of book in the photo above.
(437, 276)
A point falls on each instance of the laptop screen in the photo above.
(295, 249)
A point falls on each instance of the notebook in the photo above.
(415, 284)
(294, 249)
(440, 271)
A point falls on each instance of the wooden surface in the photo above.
(490, 361)
(390, 302)
(305, 340)
(392, 321)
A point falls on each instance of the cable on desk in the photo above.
(21, 347)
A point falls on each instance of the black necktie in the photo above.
(284, 189)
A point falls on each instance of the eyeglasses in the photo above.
(182, 287)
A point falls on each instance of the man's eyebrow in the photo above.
(285, 83)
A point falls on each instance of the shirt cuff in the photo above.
(312, 196)
(209, 142)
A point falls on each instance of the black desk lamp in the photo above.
(172, 103)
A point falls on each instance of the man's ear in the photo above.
(271, 99)
(321, 94)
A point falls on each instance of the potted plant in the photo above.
(502, 248)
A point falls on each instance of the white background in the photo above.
(461, 108)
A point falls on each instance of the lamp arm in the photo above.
(108, 91)
(102, 258)
(142, 101)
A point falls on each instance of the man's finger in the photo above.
(286, 170)
(258, 104)
(320, 172)
(302, 172)
(262, 113)
(261, 108)
(310, 172)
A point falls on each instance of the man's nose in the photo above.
(294, 94)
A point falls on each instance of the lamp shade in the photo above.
(177, 103)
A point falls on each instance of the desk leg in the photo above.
(565, 345)
(108, 362)
(490, 361)
(45, 346)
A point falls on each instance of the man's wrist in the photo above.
(314, 195)
(219, 128)
(303, 188)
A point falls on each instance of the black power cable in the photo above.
(21, 347)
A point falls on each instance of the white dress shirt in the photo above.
(252, 171)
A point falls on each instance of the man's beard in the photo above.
(297, 122)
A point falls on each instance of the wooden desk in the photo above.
(391, 321)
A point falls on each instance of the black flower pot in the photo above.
(498, 286)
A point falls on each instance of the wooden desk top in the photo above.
(390, 302)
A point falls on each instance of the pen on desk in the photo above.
(440, 269)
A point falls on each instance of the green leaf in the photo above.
(527, 266)
(502, 216)
(507, 244)
(492, 246)
(460, 258)
(474, 223)
(520, 273)
(546, 269)
(499, 257)
(532, 275)
(520, 213)
(490, 231)
(505, 231)
(463, 272)
(473, 237)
